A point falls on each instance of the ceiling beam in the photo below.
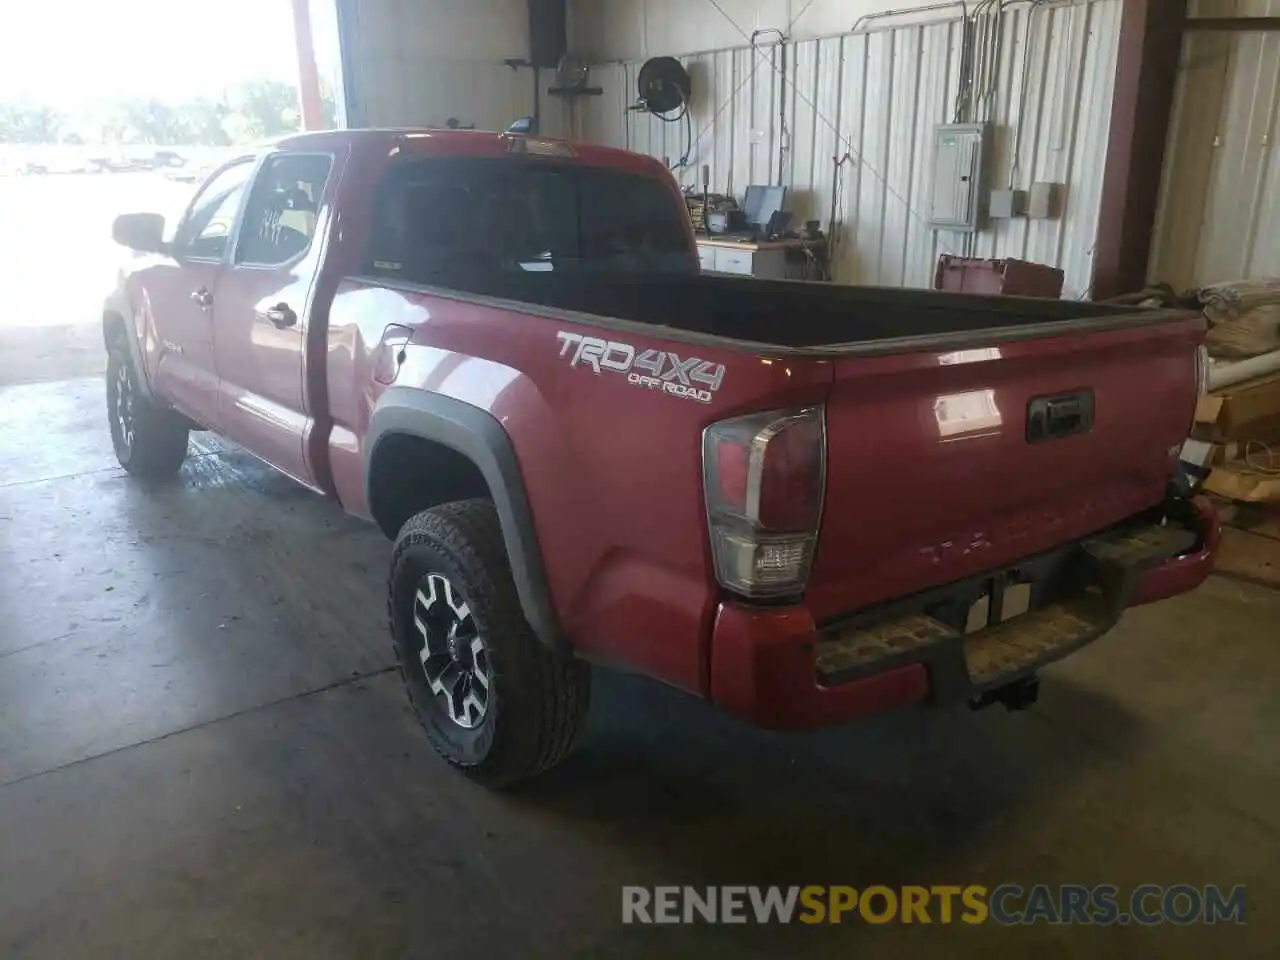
(1237, 24)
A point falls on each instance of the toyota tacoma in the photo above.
(803, 502)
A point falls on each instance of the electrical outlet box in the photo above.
(959, 188)
(1042, 201)
(1007, 204)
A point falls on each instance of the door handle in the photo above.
(202, 297)
(282, 316)
(1049, 418)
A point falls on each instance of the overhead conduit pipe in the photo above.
(782, 94)
(928, 8)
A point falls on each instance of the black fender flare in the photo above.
(111, 317)
(478, 436)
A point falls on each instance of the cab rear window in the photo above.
(471, 217)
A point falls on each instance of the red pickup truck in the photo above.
(803, 502)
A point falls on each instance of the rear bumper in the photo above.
(776, 668)
(1183, 574)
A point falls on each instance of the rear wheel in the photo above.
(150, 441)
(495, 702)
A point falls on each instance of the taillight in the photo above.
(765, 475)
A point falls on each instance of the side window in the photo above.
(280, 218)
(434, 218)
(204, 234)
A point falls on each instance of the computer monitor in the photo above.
(761, 203)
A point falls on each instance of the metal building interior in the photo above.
(205, 748)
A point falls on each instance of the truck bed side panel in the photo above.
(612, 469)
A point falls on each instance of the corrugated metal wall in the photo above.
(878, 96)
(1220, 196)
(636, 29)
(420, 62)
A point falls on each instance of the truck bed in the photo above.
(810, 317)
(959, 481)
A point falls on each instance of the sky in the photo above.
(74, 53)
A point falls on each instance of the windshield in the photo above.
(436, 217)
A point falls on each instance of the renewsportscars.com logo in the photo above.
(1005, 905)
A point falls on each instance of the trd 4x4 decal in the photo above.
(689, 377)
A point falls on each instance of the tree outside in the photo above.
(250, 111)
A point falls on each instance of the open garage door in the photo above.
(442, 63)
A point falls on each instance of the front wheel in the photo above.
(495, 702)
(150, 441)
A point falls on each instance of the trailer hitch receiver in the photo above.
(1019, 695)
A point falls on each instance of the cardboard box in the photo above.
(1249, 557)
(1245, 411)
(1236, 481)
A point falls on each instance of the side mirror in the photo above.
(139, 231)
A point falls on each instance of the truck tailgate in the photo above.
(943, 465)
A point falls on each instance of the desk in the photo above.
(790, 259)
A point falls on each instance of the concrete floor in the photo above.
(203, 753)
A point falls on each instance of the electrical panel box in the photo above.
(1043, 201)
(1007, 204)
(959, 191)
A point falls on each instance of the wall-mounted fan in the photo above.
(573, 79)
(573, 72)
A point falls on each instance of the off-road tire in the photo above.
(157, 444)
(538, 699)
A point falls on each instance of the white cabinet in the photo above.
(734, 261)
(743, 260)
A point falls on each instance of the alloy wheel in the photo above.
(124, 405)
(454, 656)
